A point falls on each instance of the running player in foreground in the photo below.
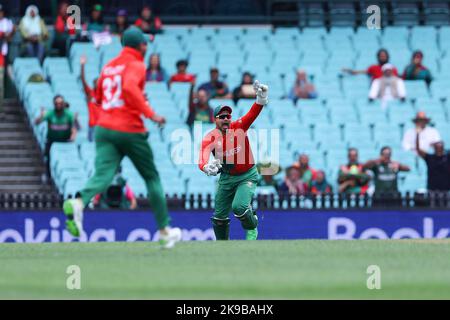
(121, 132)
(234, 160)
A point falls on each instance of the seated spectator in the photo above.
(385, 172)
(34, 32)
(93, 108)
(293, 183)
(375, 71)
(302, 88)
(428, 135)
(61, 126)
(245, 89)
(388, 87)
(64, 29)
(117, 196)
(215, 88)
(352, 178)
(121, 23)
(182, 75)
(155, 72)
(416, 70)
(148, 22)
(199, 109)
(320, 185)
(306, 172)
(95, 23)
(7, 30)
(438, 165)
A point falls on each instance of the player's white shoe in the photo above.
(168, 240)
(73, 209)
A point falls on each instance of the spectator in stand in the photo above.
(438, 165)
(416, 70)
(199, 109)
(293, 183)
(374, 71)
(148, 22)
(214, 87)
(182, 75)
(302, 88)
(121, 23)
(155, 72)
(245, 89)
(385, 172)
(64, 29)
(428, 135)
(307, 174)
(7, 30)
(34, 32)
(118, 195)
(93, 108)
(320, 185)
(61, 126)
(352, 178)
(95, 23)
(267, 175)
(388, 87)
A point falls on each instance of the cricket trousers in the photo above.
(235, 193)
(111, 147)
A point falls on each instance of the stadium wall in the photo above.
(48, 226)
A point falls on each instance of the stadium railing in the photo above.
(430, 200)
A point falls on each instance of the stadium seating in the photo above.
(323, 128)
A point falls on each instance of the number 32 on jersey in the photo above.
(112, 92)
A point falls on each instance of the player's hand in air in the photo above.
(262, 93)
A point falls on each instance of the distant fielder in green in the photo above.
(234, 160)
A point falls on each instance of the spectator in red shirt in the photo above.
(64, 28)
(374, 71)
(93, 106)
(182, 75)
(148, 22)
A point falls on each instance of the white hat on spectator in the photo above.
(387, 66)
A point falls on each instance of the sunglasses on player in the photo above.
(224, 116)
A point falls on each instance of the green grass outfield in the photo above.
(309, 269)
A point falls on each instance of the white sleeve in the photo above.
(401, 88)
(436, 136)
(374, 89)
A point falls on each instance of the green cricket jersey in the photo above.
(385, 178)
(59, 125)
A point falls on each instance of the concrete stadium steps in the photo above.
(21, 163)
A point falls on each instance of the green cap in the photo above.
(133, 37)
(221, 108)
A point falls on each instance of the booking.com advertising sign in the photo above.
(48, 226)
